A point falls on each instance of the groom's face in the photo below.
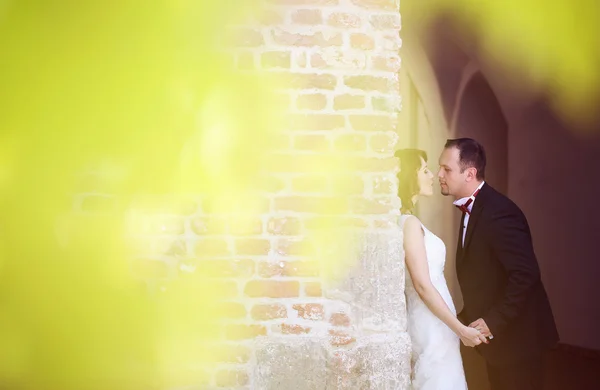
(450, 177)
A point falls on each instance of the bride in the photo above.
(432, 324)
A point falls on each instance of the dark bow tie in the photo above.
(465, 207)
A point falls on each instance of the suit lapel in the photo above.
(459, 248)
(478, 207)
(473, 219)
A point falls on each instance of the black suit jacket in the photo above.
(500, 281)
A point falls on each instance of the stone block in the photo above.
(371, 279)
(376, 362)
(291, 363)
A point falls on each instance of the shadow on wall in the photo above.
(480, 116)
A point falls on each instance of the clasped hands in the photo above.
(476, 333)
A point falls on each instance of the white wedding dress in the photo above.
(436, 360)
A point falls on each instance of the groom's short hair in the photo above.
(471, 155)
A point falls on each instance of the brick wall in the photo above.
(338, 61)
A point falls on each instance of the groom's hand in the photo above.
(481, 326)
(471, 337)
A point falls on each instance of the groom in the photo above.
(498, 272)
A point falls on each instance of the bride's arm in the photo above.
(416, 262)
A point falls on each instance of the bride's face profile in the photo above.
(425, 179)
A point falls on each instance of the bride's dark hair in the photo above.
(408, 184)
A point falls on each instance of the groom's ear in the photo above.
(471, 173)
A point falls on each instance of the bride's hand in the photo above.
(471, 337)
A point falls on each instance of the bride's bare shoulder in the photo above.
(410, 223)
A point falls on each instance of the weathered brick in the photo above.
(389, 63)
(141, 246)
(318, 170)
(390, 42)
(310, 311)
(269, 269)
(383, 185)
(386, 22)
(317, 61)
(228, 310)
(272, 289)
(169, 225)
(301, 268)
(301, 163)
(268, 312)
(385, 104)
(164, 205)
(371, 83)
(384, 5)
(301, 59)
(305, 204)
(241, 332)
(312, 80)
(245, 225)
(209, 225)
(268, 16)
(349, 185)
(375, 164)
(265, 16)
(340, 60)
(384, 224)
(289, 247)
(373, 122)
(314, 122)
(339, 338)
(362, 41)
(344, 20)
(351, 142)
(225, 267)
(294, 329)
(221, 289)
(271, 184)
(249, 203)
(307, 16)
(246, 37)
(313, 289)
(311, 142)
(315, 101)
(310, 184)
(349, 102)
(211, 247)
(288, 268)
(368, 206)
(384, 142)
(173, 225)
(284, 226)
(167, 246)
(319, 223)
(252, 247)
(339, 319)
(285, 38)
(276, 59)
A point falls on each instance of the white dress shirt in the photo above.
(462, 201)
